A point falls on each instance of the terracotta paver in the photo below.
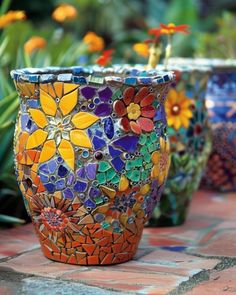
(168, 259)
(17, 240)
(223, 282)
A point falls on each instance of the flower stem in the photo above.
(154, 56)
(168, 50)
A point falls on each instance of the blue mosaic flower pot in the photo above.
(221, 103)
(91, 157)
(190, 143)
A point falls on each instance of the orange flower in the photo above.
(64, 12)
(94, 42)
(155, 31)
(34, 43)
(171, 29)
(105, 58)
(10, 17)
(141, 49)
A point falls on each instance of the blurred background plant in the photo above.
(79, 32)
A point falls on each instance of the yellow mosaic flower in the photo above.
(57, 128)
(161, 161)
(178, 109)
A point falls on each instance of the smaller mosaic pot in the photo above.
(221, 104)
(190, 143)
(91, 157)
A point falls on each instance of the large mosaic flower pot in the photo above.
(88, 146)
(190, 144)
(221, 104)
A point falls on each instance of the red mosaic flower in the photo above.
(136, 110)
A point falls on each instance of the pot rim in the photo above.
(200, 62)
(121, 74)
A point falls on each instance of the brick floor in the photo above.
(196, 258)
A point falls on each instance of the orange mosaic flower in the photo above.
(161, 161)
(178, 109)
(171, 29)
(10, 17)
(105, 58)
(94, 42)
(64, 12)
(34, 43)
(141, 49)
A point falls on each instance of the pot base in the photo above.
(80, 258)
(100, 248)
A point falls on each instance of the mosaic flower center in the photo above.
(175, 109)
(133, 111)
(54, 219)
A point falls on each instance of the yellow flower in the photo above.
(57, 129)
(134, 111)
(94, 42)
(141, 49)
(34, 43)
(10, 17)
(161, 161)
(64, 12)
(178, 109)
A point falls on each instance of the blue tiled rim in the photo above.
(126, 75)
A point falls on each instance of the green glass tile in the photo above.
(152, 147)
(129, 165)
(79, 163)
(145, 175)
(142, 139)
(116, 94)
(153, 137)
(135, 176)
(110, 174)
(139, 162)
(101, 178)
(116, 230)
(115, 179)
(143, 150)
(155, 103)
(105, 224)
(148, 166)
(148, 143)
(129, 174)
(98, 200)
(147, 157)
(103, 166)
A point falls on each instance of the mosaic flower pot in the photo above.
(221, 103)
(88, 144)
(190, 143)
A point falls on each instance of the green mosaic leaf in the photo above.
(103, 166)
(153, 137)
(101, 178)
(128, 165)
(115, 179)
(143, 150)
(110, 174)
(142, 139)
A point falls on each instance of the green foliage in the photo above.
(220, 43)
